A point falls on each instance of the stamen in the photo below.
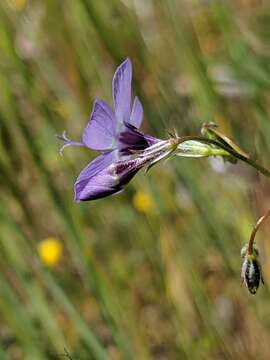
(163, 144)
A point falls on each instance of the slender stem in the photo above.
(231, 151)
(254, 232)
(254, 164)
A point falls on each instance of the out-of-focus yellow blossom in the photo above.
(143, 202)
(50, 251)
(19, 5)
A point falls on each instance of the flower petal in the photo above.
(108, 181)
(100, 131)
(132, 139)
(136, 116)
(121, 88)
(90, 171)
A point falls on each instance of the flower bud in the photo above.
(194, 148)
(211, 131)
(251, 273)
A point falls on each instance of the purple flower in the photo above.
(116, 134)
(125, 149)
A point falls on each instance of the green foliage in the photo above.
(153, 273)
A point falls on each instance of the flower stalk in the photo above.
(258, 224)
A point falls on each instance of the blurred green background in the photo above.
(153, 273)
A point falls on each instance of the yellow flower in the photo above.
(142, 201)
(19, 5)
(50, 251)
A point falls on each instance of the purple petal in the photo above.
(126, 169)
(121, 88)
(132, 139)
(90, 171)
(100, 131)
(136, 116)
(151, 139)
(108, 181)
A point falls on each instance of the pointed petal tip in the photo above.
(127, 61)
(125, 65)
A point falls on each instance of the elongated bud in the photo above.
(211, 131)
(251, 273)
(194, 148)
